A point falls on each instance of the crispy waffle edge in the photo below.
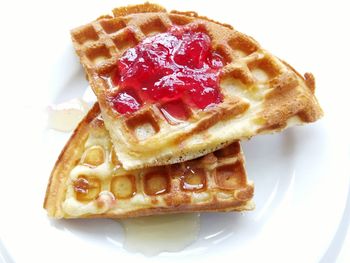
(55, 191)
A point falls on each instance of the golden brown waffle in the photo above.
(88, 180)
(262, 94)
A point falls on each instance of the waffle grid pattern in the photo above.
(254, 83)
(99, 185)
(102, 42)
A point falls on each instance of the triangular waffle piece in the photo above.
(256, 92)
(88, 180)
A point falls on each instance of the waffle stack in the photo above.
(147, 162)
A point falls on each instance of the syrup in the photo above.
(66, 116)
(172, 66)
(164, 233)
(193, 179)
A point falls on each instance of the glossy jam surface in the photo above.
(178, 65)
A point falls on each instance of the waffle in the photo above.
(262, 94)
(88, 180)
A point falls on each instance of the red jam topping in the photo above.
(167, 68)
(175, 109)
(126, 101)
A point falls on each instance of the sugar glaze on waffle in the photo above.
(261, 93)
(88, 180)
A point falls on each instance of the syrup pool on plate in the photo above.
(178, 66)
(66, 116)
(152, 235)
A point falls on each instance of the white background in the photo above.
(301, 175)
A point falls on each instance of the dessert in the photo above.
(174, 86)
(89, 181)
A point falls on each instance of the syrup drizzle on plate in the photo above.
(163, 233)
(66, 116)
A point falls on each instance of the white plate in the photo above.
(301, 175)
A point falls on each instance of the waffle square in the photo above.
(261, 93)
(89, 181)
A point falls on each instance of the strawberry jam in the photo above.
(178, 65)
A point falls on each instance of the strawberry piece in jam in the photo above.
(178, 64)
(126, 101)
(193, 50)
